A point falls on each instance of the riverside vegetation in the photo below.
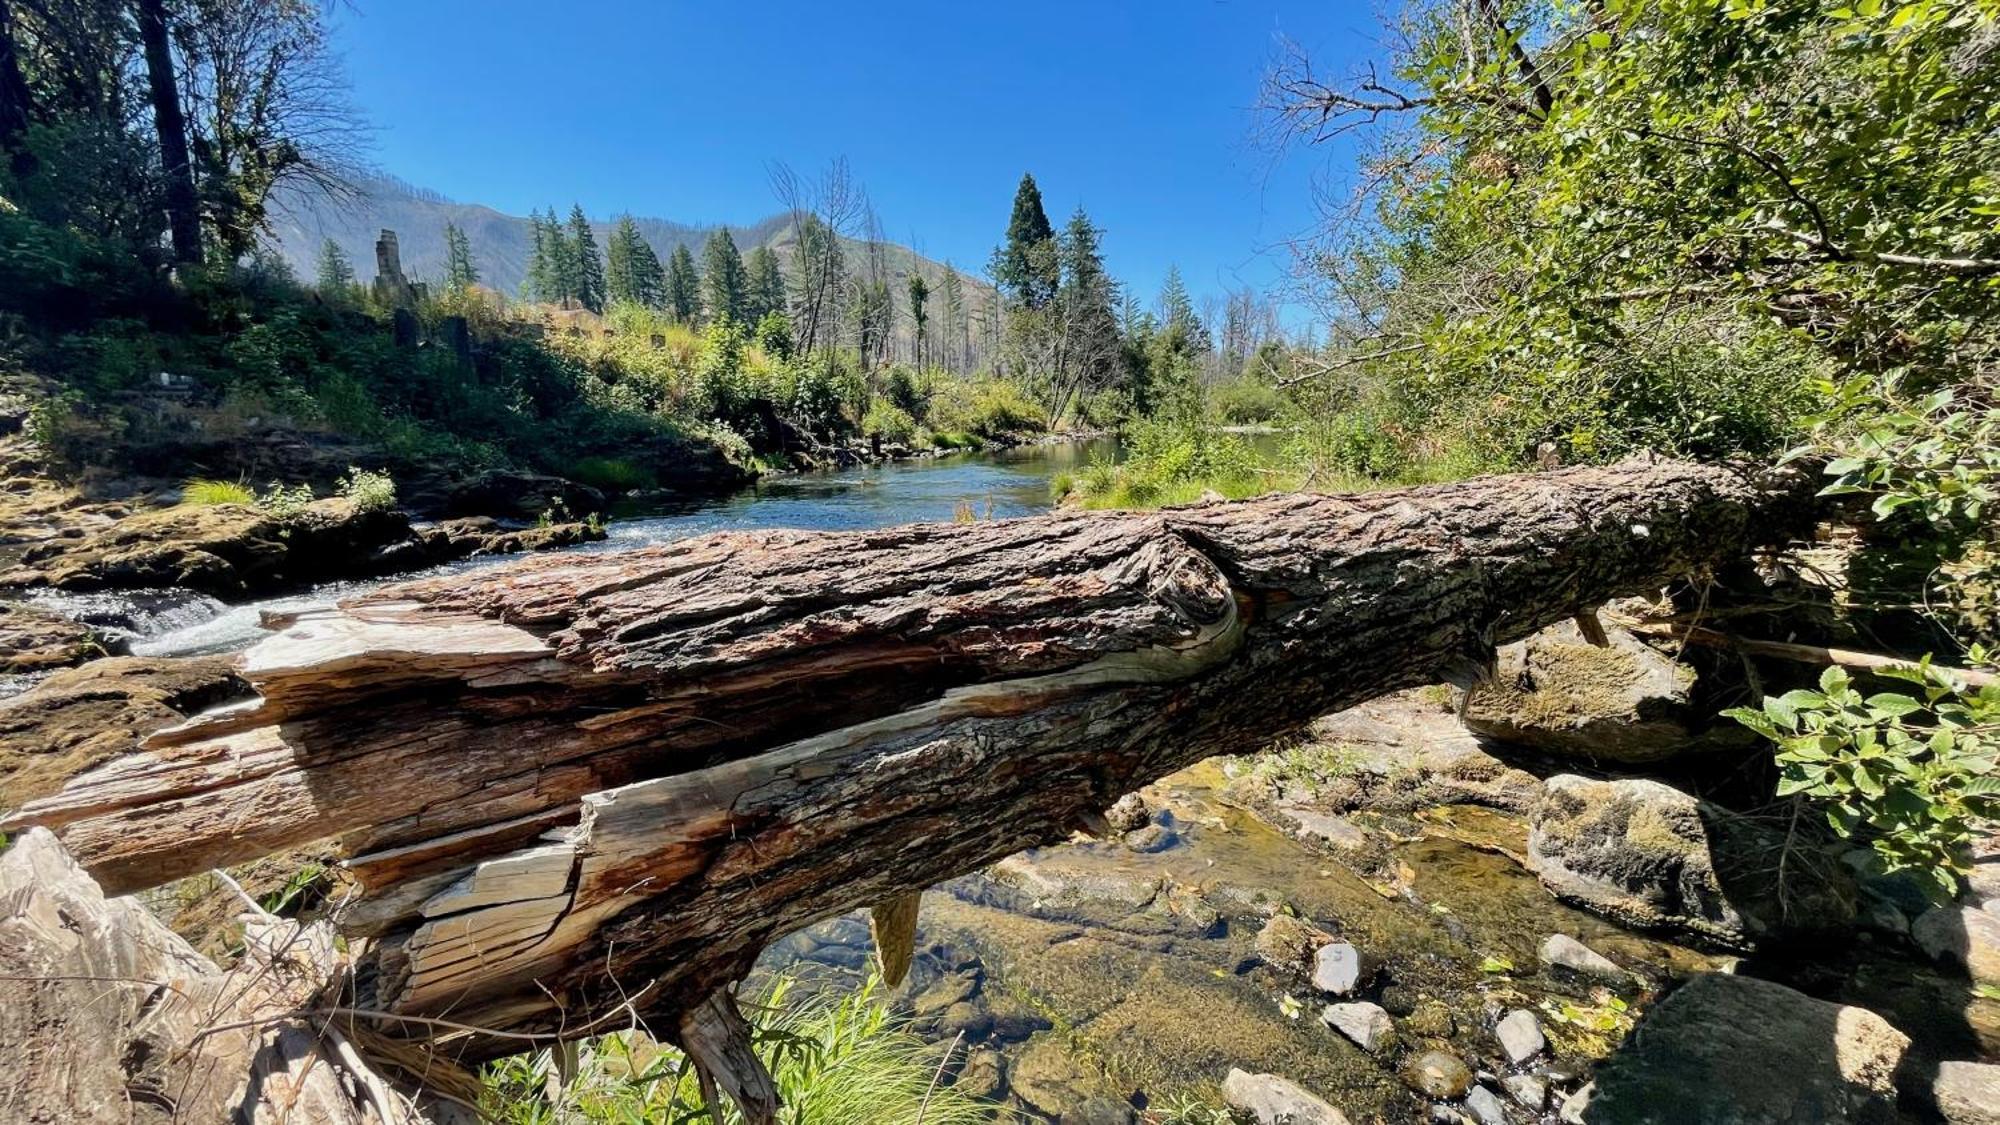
(1713, 229)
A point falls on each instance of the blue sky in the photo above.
(1141, 112)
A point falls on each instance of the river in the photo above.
(1010, 482)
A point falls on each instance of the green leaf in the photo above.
(1834, 680)
(1893, 705)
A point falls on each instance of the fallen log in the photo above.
(582, 790)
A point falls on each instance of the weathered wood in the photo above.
(107, 1015)
(575, 788)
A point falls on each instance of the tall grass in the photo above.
(835, 1059)
(205, 493)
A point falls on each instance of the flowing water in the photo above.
(1012, 482)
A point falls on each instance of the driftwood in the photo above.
(107, 1015)
(582, 790)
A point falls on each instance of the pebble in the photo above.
(1437, 1074)
(1561, 951)
(1486, 1106)
(1128, 812)
(1530, 1091)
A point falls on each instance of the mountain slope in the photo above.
(501, 243)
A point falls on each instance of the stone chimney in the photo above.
(392, 289)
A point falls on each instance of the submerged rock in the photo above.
(1734, 1049)
(1437, 1074)
(1486, 1106)
(1367, 1025)
(1624, 702)
(1566, 954)
(1270, 1100)
(1128, 813)
(1288, 941)
(1648, 855)
(984, 1075)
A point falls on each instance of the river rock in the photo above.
(1735, 1049)
(1366, 1024)
(1128, 813)
(517, 495)
(1962, 935)
(1967, 1093)
(965, 1018)
(1437, 1074)
(1566, 954)
(984, 1075)
(34, 640)
(1650, 856)
(1337, 968)
(1405, 752)
(1520, 1035)
(1531, 1092)
(1288, 941)
(1270, 1100)
(1625, 702)
(1151, 838)
(1324, 828)
(1486, 1106)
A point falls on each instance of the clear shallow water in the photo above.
(1012, 482)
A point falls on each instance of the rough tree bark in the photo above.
(183, 220)
(579, 789)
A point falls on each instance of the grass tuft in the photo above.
(207, 493)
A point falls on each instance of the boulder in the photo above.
(1622, 702)
(1367, 1025)
(1437, 1074)
(1967, 1093)
(1962, 935)
(1520, 1035)
(1650, 856)
(519, 495)
(34, 640)
(984, 1075)
(1401, 753)
(1270, 1100)
(1565, 954)
(1749, 1052)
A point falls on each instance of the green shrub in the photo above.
(206, 493)
(285, 502)
(889, 422)
(1246, 402)
(610, 474)
(368, 491)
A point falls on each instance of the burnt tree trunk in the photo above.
(183, 218)
(570, 784)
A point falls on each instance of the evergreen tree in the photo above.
(1184, 329)
(539, 282)
(683, 286)
(920, 313)
(587, 276)
(1088, 349)
(766, 286)
(725, 285)
(459, 271)
(1025, 264)
(336, 273)
(632, 271)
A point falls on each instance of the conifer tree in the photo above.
(632, 271)
(459, 271)
(1177, 315)
(1025, 264)
(335, 273)
(953, 334)
(920, 312)
(725, 286)
(683, 286)
(766, 285)
(587, 276)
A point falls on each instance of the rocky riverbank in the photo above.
(1400, 920)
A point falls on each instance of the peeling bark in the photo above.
(580, 788)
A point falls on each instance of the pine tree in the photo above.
(683, 286)
(1026, 263)
(920, 313)
(459, 271)
(1088, 350)
(725, 286)
(767, 284)
(552, 271)
(628, 266)
(336, 273)
(648, 278)
(587, 278)
(540, 277)
(1177, 315)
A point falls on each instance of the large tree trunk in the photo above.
(16, 109)
(577, 787)
(183, 220)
